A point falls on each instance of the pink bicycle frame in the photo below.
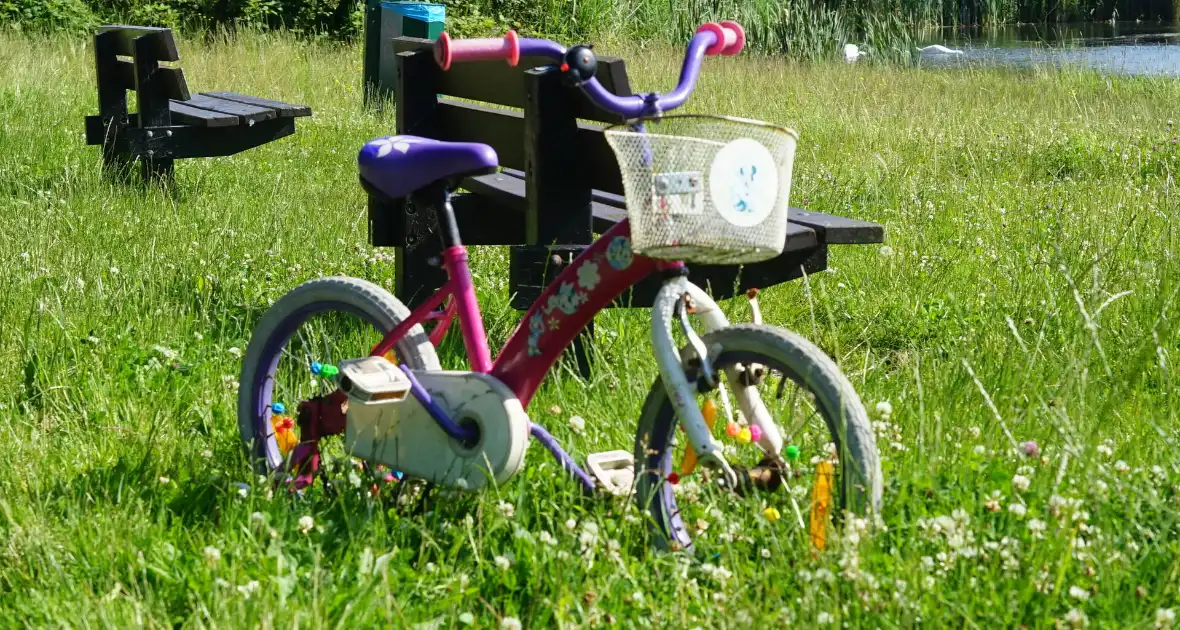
(602, 272)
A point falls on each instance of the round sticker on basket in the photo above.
(743, 182)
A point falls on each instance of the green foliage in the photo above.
(804, 28)
(47, 15)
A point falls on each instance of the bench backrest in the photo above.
(152, 83)
(563, 159)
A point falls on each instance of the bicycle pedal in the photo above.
(614, 470)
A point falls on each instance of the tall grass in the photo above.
(801, 29)
(1028, 286)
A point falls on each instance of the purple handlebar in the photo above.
(726, 38)
(631, 107)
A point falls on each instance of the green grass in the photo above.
(1029, 286)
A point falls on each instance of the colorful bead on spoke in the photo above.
(689, 463)
(733, 429)
(316, 367)
(285, 436)
(328, 371)
(792, 452)
(278, 407)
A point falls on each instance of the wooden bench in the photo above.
(559, 184)
(169, 123)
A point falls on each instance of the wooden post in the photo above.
(417, 272)
(557, 192)
(152, 102)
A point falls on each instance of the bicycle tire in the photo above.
(860, 489)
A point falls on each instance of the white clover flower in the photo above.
(1164, 618)
(165, 481)
(235, 352)
(502, 563)
(1121, 467)
(824, 618)
(974, 432)
(578, 424)
(1079, 593)
(212, 555)
(510, 623)
(466, 618)
(765, 552)
(306, 524)
(571, 524)
(885, 409)
(257, 518)
(1020, 483)
(1036, 527)
(507, 509)
(249, 588)
(1018, 510)
(979, 449)
(1104, 450)
(547, 538)
(1076, 618)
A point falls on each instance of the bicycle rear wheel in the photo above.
(320, 322)
(822, 414)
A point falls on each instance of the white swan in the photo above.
(939, 49)
(852, 53)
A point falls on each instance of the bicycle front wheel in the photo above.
(814, 406)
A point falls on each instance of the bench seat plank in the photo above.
(182, 113)
(509, 192)
(248, 113)
(839, 230)
(830, 229)
(285, 110)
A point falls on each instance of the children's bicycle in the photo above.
(340, 357)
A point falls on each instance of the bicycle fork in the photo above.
(672, 301)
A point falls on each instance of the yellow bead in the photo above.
(771, 514)
(744, 436)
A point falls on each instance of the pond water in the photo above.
(1138, 48)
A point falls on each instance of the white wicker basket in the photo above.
(706, 189)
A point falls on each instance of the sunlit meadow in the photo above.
(1015, 340)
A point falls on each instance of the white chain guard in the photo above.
(403, 435)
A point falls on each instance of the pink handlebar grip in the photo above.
(731, 38)
(447, 50)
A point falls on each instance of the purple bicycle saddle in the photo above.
(401, 165)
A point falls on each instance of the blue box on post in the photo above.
(385, 20)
